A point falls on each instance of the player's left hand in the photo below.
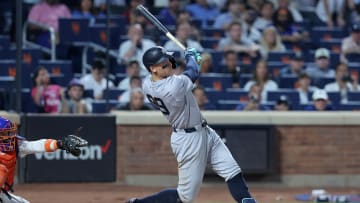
(71, 144)
(193, 52)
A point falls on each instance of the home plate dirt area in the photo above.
(118, 193)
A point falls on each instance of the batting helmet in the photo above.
(8, 133)
(157, 55)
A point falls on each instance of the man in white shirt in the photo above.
(96, 79)
(135, 47)
(351, 44)
(132, 69)
(344, 82)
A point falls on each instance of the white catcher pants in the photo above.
(4, 198)
(193, 151)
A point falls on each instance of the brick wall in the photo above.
(302, 150)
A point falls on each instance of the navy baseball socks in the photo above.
(239, 189)
(168, 196)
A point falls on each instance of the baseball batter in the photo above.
(12, 146)
(193, 142)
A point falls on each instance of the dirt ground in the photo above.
(117, 193)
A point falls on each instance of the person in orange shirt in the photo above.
(13, 146)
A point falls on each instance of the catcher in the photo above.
(13, 146)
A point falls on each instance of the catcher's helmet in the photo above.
(8, 133)
(157, 55)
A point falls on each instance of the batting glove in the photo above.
(193, 52)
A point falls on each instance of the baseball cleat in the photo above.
(132, 200)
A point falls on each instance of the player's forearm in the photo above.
(43, 145)
(192, 68)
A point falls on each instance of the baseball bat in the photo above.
(159, 25)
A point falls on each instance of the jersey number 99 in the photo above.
(158, 103)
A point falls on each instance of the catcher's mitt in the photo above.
(72, 144)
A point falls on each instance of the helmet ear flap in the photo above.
(173, 62)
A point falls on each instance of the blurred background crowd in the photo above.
(258, 55)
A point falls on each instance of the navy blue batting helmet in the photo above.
(156, 55)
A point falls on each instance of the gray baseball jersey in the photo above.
(173, 96)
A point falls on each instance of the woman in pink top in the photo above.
(48, 97)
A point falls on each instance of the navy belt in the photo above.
(190, 130)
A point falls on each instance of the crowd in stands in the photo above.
(250, 49)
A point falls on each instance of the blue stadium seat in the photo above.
(99, 35)
(335, 98)
(350, 106)
(321, 82)
(113, 93)
(228, 104)
(7, 83)
(213, 33)
(60, 79)
(63, 68)
(236, 94)
(209, 42)
(353, 96)
(217, 58)
(8, 68)
(27, 103)
(219, 81)
(117, 20)
(244, 78)
(287, 81)
(326, 33)
(353, 58)
(274, 68)
(334, 45)
(101, 106)
(74, 30)
(283, 57)
(89, 93)
(30, 56)
(292, 95)
(4, 42)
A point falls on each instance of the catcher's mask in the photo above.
(8, 132)
(156, 55)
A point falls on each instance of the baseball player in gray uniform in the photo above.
(193, 142)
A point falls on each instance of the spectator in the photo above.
(282, 104)
(169, 14)
(354, 6)
(234, 10)
(351, 44)
(130, 13)
(295, 67)
(331, 12)
(294, 12)
(96, 80)
(254, 100)
(47, 97)
(183, 30)
(206, 65)
(135, 82)
(132, 69)
(136, 102)
(304, 88)
(47, 12)
(232, 66)
(265, 18)
(262, 78)
(236, 42)
(135, 47)
(201, 10)
(254, 4)
(344, 82)
(321, 101)
(86, 10)
(202, 100)
(149, 30)
(284, 23)
(75, 103)
(270, 41)
(321, 68)
(248, 30)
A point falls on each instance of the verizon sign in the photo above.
(99, 157)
